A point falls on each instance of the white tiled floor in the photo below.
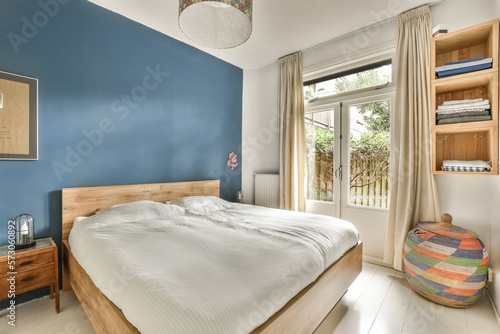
(380, 301)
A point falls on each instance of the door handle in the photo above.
(338, 173)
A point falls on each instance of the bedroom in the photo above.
(91, 64)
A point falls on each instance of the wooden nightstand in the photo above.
(35, 267)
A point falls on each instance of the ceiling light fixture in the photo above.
(218, 24)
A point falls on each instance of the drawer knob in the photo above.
(27, 278)
(26, 263)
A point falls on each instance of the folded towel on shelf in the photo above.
(450, 73)
(464, 64)
(466, 163)
(459, 111)
(465, 101)
(482, 104)
(461, 67)
(464, 169)
(465, 113)
(464, 61)
(464, 119)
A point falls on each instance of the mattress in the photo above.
(204, 265)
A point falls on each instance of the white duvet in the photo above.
(213, 268)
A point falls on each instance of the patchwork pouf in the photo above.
(445, 263)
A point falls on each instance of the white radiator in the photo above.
(267, 190)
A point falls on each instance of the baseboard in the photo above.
(493, 306)
(376, 260)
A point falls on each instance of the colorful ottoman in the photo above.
(445, 263)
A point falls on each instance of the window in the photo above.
(348, 136)
(372, 75)
(320, 146)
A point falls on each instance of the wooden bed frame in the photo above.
(302, 314)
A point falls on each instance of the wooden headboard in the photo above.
(86, 201)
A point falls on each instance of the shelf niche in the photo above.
(473, 145)
(471, 140)
(478, 41)
(480, 85)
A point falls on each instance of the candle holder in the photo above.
(25, 231)
(239, 196)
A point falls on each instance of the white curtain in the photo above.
(413, 191)
(292, 133)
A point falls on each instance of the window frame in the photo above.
(348, 64)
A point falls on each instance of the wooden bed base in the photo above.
(302, 314)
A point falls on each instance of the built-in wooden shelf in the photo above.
(473, 140)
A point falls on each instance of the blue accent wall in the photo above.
(119, 103)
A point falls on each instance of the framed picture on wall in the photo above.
(18, 117)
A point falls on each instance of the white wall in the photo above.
(494, 249)
(260, 145)
(458, 14)
(472, 200)
(351, 46)
(494, 242)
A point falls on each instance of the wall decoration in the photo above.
(18, 117)
(232, 161)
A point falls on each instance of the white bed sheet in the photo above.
(226, 272)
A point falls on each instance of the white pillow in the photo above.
(201, 204)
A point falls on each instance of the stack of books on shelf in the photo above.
(461, 67)
(466, 166)
(463, 111)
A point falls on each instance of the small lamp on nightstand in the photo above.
(25, 231)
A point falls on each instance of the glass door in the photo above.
(348, 116)
(366, 151)
(323, 139)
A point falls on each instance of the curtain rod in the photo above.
(393, 18)
(289, 54)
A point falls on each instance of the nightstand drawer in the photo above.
(29, 280)
(27, 261)
(36, 267)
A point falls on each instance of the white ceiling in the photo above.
(280, 27)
